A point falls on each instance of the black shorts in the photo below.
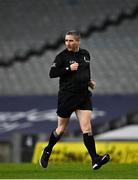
(69, 102)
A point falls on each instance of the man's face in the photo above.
(71, 43)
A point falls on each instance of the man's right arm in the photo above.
(57, 69)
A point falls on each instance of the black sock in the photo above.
(90, 144)
(54, 138)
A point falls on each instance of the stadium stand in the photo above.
(115, 65)
(32, 32)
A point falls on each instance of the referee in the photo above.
(72, 66)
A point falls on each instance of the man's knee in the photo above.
(60, 131)
(62, 124)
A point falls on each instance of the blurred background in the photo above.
(31, 35)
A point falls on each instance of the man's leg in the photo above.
(84, 117)
(54, 138)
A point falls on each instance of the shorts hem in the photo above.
(63, 116)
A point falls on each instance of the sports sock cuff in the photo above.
(55, 134)
(88, 134)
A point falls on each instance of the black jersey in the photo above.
(72, 81)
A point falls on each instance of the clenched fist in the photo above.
(74, 66)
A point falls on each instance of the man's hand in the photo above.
(74, 66)
(92, 84)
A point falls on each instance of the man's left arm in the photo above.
(92, 83)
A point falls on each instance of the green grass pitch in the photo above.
(70, 170)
